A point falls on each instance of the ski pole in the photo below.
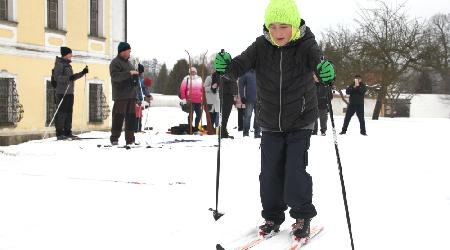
(56, 112)
(216, 213)
(344, 193)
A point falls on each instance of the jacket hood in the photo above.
(62, 60)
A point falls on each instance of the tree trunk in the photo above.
(380, 100)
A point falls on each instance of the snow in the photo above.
(74, 195)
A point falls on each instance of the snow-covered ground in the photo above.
(73, 195)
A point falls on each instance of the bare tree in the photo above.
(339, 46)
(438, 58)
(392, 43)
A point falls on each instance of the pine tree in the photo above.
(180, 70)
(161, 80)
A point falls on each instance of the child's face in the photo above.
(281, 33)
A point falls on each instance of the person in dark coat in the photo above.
(247, 90)
(227, 94)
(356, 105)
(322, 103)
(65, 79)
(284, 59)
(124, 81)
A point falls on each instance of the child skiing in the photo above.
(284, 59)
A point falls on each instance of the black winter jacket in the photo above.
(322, 92)
(62, 72)
(287, 99)
(356, 94)
(230, 87)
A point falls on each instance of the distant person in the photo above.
(247, 89)
(322, 104)
(124, 92)
(195, 97)
(142, 94)
(65, 79)
(228, 94)
(240, 106)
(213, 101)
(356, 104)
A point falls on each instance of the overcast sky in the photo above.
(163, 29)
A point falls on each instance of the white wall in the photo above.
(165, 101)
(339, 105)
(422, 106)
(430, 106)
(117, 24)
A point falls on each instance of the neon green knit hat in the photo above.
(282, 11)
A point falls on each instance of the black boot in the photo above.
(268, 227)
(300, 228)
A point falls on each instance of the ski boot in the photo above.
(268, 228)
(301, 228)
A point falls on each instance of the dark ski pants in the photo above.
(123, 110)
(63, 119)
(359, 109)
(323, 118)
(227, 105)
(197, 109)
(283, 179)
(241, 114)
(250, 108)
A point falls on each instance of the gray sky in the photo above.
(163, 29)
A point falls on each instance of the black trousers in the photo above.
(241, 114)
(351, 109)
(63, 119)
(123, 110)
(227, 105)
(323, 118)
(284, 181)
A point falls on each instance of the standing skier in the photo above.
(124, 92)
(284, 59)
(65, 79)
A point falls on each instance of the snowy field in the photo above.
(73, 195)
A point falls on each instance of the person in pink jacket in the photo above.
(197, 93)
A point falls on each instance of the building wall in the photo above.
(28, 50)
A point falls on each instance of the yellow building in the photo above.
(31, 34)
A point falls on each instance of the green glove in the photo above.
(326, 72)
(221, 61)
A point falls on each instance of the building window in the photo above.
(11, 111)
(94, 18)
(98, 107)
(52, 14)
(51, 104)
(3, 9)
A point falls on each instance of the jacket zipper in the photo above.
(281, 84)
(303, 105)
